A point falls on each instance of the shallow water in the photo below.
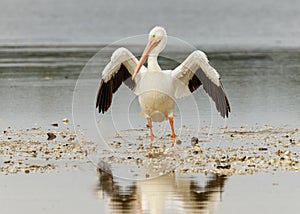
(37, 84)
(81, 191)
(263, 86)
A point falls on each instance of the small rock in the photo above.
(224, 166)
(63, 135)
(139, 160)
(178, 142)
(71, 139)
(51, 136)
(194, 141)
(262, 149)
(139, 138)
(243, 158)
(54, 124)
(65, 120)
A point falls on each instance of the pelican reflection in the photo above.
(169, 193)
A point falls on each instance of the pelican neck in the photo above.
(153, 64)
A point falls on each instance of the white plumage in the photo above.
(157, 89)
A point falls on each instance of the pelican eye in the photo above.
(153, 36)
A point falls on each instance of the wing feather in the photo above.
(117, 71)
(196, 71)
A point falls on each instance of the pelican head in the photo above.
(158, 38)
(156, 43)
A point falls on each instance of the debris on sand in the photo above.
(256, 150)
(29, 151)
(51, 136)
(178, 142)
(249, 151)
(65, 120)
(194, 141)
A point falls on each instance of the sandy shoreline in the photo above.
(225, 152)
(41, 150)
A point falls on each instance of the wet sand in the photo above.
(226, 152)
(38, 150)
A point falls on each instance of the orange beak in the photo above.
(149, 47)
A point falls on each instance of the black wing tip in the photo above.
(104, 97)
(100, 110)
(225, 109)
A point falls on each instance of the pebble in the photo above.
(65, 120)
(223, 166)
(178, 142)
(51, 136)
(194, 141)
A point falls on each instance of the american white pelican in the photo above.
(156, 88)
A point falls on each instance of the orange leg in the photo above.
(172, 127)
(150, 127)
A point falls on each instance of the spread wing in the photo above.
(117, 71)
(196, 71)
